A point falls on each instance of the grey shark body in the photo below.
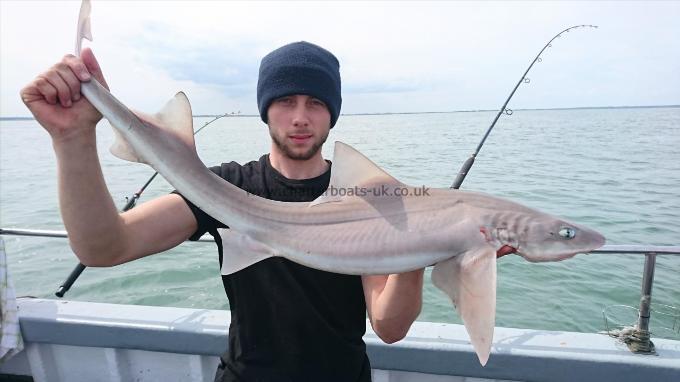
(379, 231)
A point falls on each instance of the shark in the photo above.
(367, 222)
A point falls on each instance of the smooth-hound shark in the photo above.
(358, 233)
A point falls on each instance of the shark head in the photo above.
(547, 238)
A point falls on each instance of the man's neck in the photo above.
(298, 169)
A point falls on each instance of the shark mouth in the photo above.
(505, 250)
(552, 257)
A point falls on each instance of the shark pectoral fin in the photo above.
(470, 281)
(240, 251)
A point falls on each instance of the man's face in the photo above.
(298, 125)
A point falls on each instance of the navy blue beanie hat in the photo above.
(300, 68)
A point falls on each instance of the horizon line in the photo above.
(26, 118)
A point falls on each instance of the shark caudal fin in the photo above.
(174, 118)
(84, 28)
(241, 251)
(469, 280)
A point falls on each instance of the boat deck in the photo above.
(84, 341)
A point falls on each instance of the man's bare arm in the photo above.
(98, 234)
(155, 226)
(393, 302)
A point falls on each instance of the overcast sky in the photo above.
(394, 56)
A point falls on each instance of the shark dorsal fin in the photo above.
(174, 118)
(352, 169)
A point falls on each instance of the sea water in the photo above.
(614, 170)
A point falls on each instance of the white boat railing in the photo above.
(638, 339)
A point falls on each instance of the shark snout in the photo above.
(558, 241)
(590, 240)
(599, 241)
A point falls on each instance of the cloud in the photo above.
(230, 66)
(382, 87)
(395, 56)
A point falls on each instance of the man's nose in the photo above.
(300, 117)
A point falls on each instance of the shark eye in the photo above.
(567, 232)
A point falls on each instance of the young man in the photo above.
(289, 322)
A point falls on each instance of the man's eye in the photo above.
(318, 102)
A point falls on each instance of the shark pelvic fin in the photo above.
(351, 170)
(239, 251)
(469, 280)
(122, 149)
(174, 118)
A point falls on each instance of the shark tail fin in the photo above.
(240, 251)
(469, 280)
(84, 27)
(174, 120)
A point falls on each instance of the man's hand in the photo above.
(54, 97)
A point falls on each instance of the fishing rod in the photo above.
(462, 173)
(131, 202)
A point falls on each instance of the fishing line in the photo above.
(131, 202)
(462, 173)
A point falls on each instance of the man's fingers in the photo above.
(77, 66)
(45, 88)
(63, 90)
(62, 83)
(69, 77)
(31, 93)
(92, 65)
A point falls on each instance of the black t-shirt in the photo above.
(288, 322)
